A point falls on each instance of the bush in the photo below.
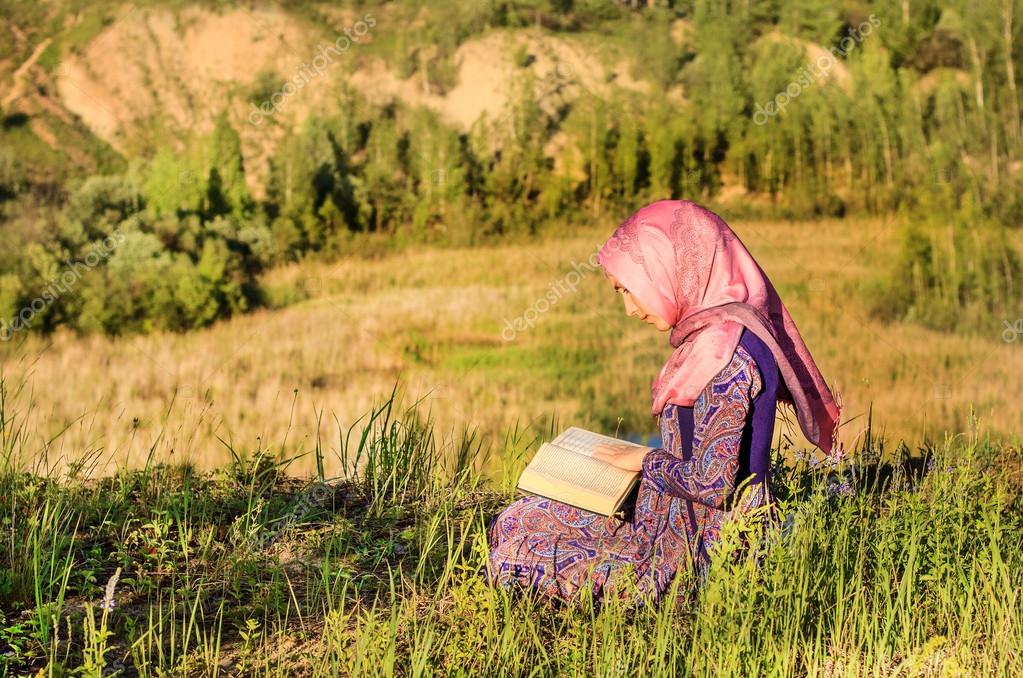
(955, 275)
(103, 200)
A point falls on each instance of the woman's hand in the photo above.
(628, 457)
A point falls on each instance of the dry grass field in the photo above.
(152, 567)
(435, 321)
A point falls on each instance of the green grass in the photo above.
(571, 364)
(29, 149)
(911, 567)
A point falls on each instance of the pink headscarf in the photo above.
(685, 264)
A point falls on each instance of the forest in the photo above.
(796, 109)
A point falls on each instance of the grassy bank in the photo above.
(908, 567)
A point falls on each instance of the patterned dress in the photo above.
(687, 491)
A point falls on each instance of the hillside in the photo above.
(135, 77)
(151, 75)
(223, 139)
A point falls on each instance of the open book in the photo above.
(564, 469)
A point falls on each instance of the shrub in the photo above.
(957, 274)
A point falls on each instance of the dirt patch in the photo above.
(562, 68)
(161, 69)
(682, 31)
(929, 82)
(179, 70)
(21, 77)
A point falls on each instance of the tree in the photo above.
(226, 192)
(174, 184)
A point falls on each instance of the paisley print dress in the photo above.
(687, 491)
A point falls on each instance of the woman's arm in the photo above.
(720, 415)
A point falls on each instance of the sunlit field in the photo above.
(902, 567)
(304, 490)
(528, 335)
(292, 292)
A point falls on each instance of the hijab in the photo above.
(684, 263)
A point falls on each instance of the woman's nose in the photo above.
(630, 308)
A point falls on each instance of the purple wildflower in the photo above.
(840, 487)
(107, 604)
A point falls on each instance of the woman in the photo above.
(737, 352)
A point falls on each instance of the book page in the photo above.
(581, 441)
(580, 471)
(577, 479)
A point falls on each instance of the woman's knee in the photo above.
(508, 522)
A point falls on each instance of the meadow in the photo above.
(440, 324)
(304, 490)
(906, 567)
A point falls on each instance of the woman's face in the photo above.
(634, 307)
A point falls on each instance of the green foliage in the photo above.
(145, 287)
(11, 177)
(172, 184)
(521, 56)
(225, 184)
(103, 201)
(311, 187)
(810, 108)
(115, 266)
(716, 77)
(657, 59)
(268, 83)
(11, 292)
(954, 271)
(814, 20)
